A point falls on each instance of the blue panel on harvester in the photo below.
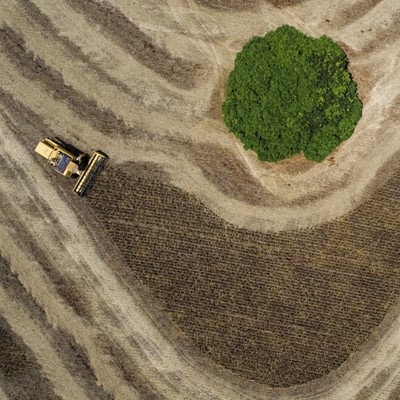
(63, 163)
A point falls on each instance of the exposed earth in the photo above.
(191, 270)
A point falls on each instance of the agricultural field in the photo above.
(191, 270)
(279, 308)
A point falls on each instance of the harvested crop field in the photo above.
(191, 270)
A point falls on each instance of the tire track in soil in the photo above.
(238, 5)
(285, 3)
(229, 5)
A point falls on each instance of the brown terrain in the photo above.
(191, 270)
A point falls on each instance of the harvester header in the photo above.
(70, 162)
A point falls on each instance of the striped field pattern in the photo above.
(191, 270)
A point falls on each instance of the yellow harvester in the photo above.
(70, 162)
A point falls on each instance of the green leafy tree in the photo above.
(290, 93)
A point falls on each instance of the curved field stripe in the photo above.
(177, 71)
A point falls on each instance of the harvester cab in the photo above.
(70, 162)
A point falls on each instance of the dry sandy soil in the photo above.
(191, 270)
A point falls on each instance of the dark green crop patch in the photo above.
(290, 93)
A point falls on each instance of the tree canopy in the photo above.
(289, 93)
